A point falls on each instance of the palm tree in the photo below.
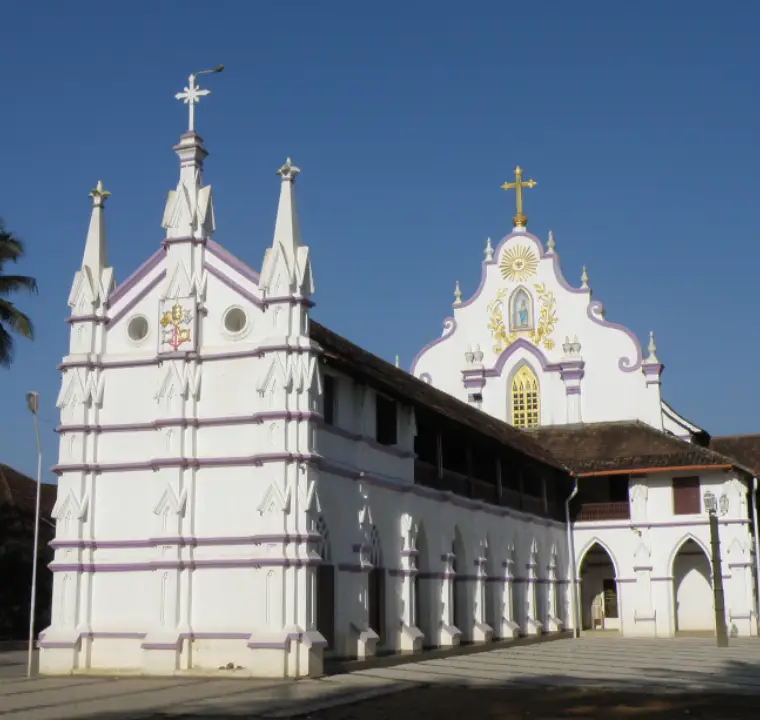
(11, 318)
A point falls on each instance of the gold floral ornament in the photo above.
(547, 319)
(518, 263)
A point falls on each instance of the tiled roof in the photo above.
(19, 491)
(359, 363)
(621, 446)
(745, 449)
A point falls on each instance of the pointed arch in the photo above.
(520, 310)
(524, 396)
(588, 546)
(679, 545)
(692, 585)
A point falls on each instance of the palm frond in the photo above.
(13, 283)
(6, 348)
(12, 317)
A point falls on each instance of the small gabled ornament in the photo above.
(457, 294)
(550, 243)
(652, 349)
(488, 251)
(584, 278)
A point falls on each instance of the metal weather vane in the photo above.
(193, 93)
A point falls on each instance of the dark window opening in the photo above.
(618, 488)
(426, 441)
(484, 460)
(386, 418)
(454, 452)
(533, 484)
(329, 398)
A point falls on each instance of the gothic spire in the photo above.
(287, 252)
(94, 281)
(95, 251)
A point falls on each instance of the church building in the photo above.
(242, 490)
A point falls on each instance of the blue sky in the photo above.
(639, 121)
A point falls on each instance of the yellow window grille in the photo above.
(526, 411)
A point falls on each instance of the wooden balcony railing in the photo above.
(590, 512)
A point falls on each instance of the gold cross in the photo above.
(519, 220)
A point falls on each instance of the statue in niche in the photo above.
(521, 311)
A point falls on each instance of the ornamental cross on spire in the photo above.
(98, 194)
(288, 171)
(193, 93)
(519, 220)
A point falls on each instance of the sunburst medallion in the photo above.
(518, 263)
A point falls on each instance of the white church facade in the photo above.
(242, 490)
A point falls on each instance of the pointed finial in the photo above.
(398, 361)
(98, 194)
(584, 278)
(652, 348)
(550, 242)
(457, 294)
(288, 171)
(489, 250)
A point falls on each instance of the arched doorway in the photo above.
(600, 604)
(376, 588)
(325, 587)
(692, 588)
(461, 594)
(422, 591)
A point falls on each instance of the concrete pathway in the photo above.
(682, 663)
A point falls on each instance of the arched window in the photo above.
(526, 408)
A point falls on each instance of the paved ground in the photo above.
(636, 678)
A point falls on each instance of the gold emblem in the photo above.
(541, 335)
(172, 322)
(518, 263)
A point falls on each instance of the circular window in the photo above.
(235, 320)
(137, 328)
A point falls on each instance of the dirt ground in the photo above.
(544, 704)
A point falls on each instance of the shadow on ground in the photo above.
(658, 694)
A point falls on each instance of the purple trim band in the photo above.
(595, 312)
(166, 242)
(185, 463)
(542, 255)
(572, 373)
(143, 362)
(227, 563)
(215, 249)
(573, 390)
(86, 319)
(136, 299)
(232, 285)
(285, 539)
(254, 419)
(330, 467)
(120, 290)
(449, 327)
(522, 344)
(115, 635)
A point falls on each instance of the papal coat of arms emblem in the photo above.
(176, 321)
